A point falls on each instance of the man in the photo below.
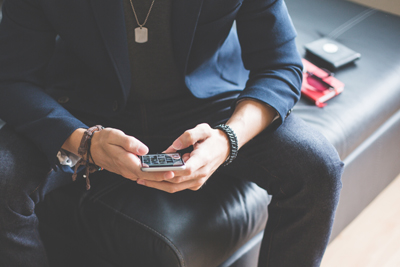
(166, 73)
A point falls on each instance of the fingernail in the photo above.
(177, 145)
(141, 182)
(142, 150)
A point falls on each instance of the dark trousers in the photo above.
(294, 163)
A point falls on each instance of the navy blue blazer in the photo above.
(77, 50)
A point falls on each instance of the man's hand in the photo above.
(211, 147)
(210, 150)
(116, 152)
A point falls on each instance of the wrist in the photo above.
(249, 118)
(73, 142)
(84, 152)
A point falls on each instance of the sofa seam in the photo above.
(341, 29)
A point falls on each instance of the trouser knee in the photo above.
(300, 159)
(319, 170)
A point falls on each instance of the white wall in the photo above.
(391, 6)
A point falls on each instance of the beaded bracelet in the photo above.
(233, 142)
(84, 149)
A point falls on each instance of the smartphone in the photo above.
(162, 162)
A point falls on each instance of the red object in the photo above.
(319, 85)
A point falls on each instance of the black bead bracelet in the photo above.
(233, 142)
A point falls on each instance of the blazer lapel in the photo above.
(185, 14)
(109, 15)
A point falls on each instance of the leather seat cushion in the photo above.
(153, 228)
(372, 84)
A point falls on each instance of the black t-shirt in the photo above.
(154, 73)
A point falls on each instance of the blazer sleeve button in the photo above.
(288, 113)
(63, 99)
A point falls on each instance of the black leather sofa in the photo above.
(363, 123)
(220, 225)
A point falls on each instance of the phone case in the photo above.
(334, 54)
(319, 85)
(162, 162)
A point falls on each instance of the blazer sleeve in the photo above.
(27, 43)
(267, 39)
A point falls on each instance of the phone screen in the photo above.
(162, 162)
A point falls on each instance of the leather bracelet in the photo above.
(233, 142)
(84, 149)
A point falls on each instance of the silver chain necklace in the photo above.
(141, 33)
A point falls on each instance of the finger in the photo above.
(170, 149)
(190, 137)
(171, 187)
(194, 168)
(129, 143)
(199, 174)
(129, 165)
(136, 172)
(156, 176)
(186, 157)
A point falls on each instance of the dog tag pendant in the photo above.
(141, 35)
